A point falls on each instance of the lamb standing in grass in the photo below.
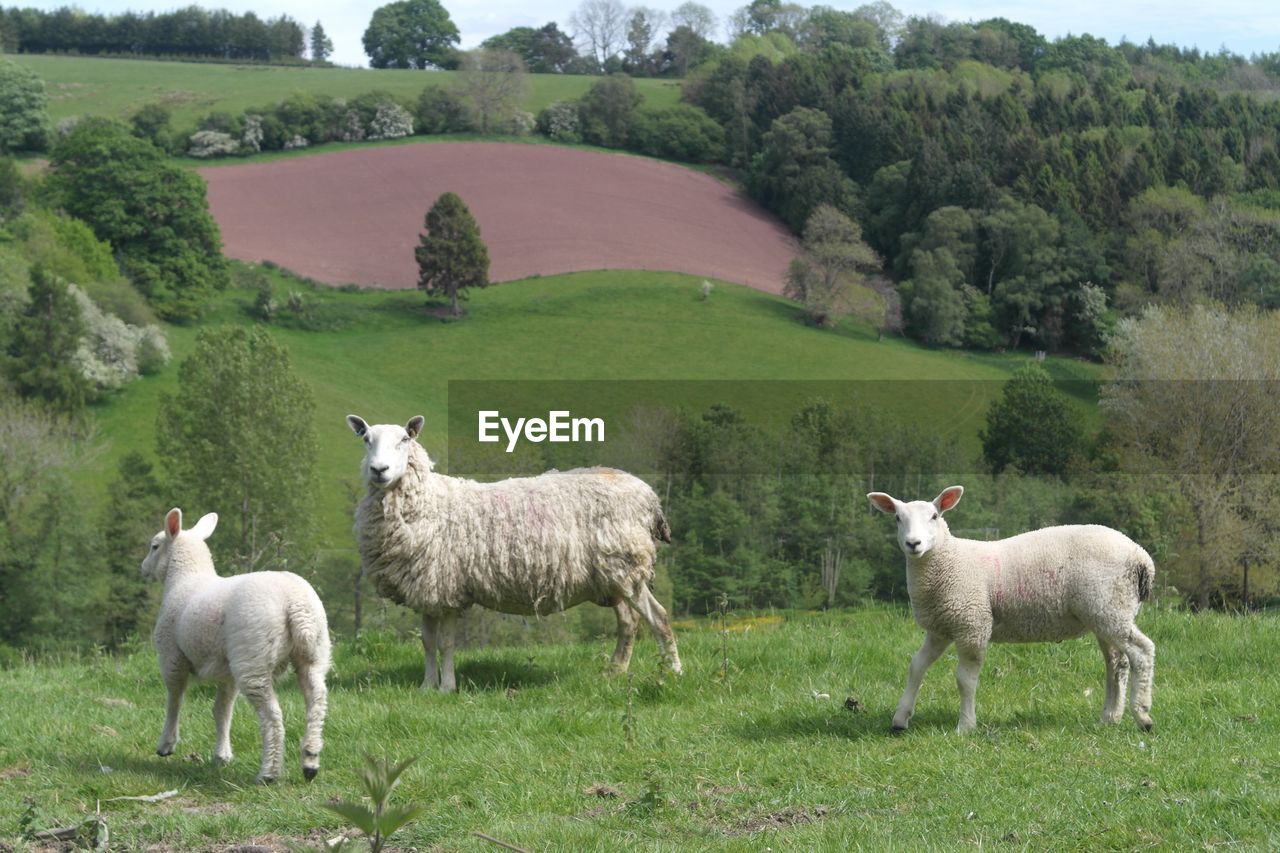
(1047, 585)
(241, 632)
(530, 545)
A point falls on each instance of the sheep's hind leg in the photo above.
(968, 667)
(262, 695)
(223, 706)
(1117, 682)
(446, 635)
(1141, 653)
(654, 613)
(175, 682)
(627, 627)
(929, 651)
(316, 696)
(431, 677)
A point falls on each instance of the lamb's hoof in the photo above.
(221, 759)
(164, 752)
(896, 729)
(266, 780)
(309, 773)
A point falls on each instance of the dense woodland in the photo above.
(996, 189)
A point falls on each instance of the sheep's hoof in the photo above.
(266, 780)
(309, 773)
(164, 752)
(222, 759)
(896, 729)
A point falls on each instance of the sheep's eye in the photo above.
(935, 517)
(155, 545)
(403, 440)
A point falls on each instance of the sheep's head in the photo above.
(156, 564)
(386, 449)
(920, 523)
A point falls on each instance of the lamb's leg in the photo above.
(446, 635)
(1117, 682)
(627, 627)
(175, 682)
(431, 677)
(968, 667)
(223, 706)
(929, 651)
(262, 695)
(1141, 653)
(654, 613)
(316, 696)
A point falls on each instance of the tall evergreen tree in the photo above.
(321, 44)
(451, 256)
(43, 348)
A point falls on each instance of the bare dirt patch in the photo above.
(355, 216)
(778, 820)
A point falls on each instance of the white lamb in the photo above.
(241, 632)
(530, 545)
(1047, 585)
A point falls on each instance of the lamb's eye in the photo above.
(155, 545)
(935, 516)
(403, 440)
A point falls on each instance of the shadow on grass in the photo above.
(794, 723)
(178, 771)
(490, 673)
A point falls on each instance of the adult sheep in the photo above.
(1046, 585)
(241, 632)
(528, 545)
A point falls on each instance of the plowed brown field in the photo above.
(355, 215)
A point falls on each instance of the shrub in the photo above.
(211, 143)
(112, 352)
(251, 138)
(522, 123)
(24, 117)
(682, 132)
(559, 121)
(391, 121)
(439, 110)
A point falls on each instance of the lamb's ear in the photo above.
(205, 526)
(885, 503)
(173, 522)
(949, 498)
(357, 424)
(414, 426)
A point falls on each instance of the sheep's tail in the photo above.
(308, 629)
(1144, 571)
(661, 530)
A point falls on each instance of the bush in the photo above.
(522, 123)
(559, 121)
(112, 352)
(682, 132)
(391, 121)
(211, 143)
(439, 110)
(24, 117)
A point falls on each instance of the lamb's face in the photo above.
(155, 566)
(920, 523)
(386, 449)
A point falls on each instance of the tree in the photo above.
(24, 116)
(700, 20)
(1193, 406)
(833, 259)
(237, 439)
(1032, 427)
(321, 45)
(491, 84)
(151, 122)
(410, 34)
(43, 349)
(794, 173)
(602, 24)
(154, 214)
(546, 50)
(608, 109)
(130, 518)
(451, 256)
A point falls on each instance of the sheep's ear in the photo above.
(884, 503)
(173, 522)
(414, 426)
(949, 498)
(357, 424)
(205, 526)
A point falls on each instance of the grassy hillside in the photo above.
(752, 761)
(116, 88)
(390, 358)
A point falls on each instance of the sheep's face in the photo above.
(920, 523)
(155, 566)
(386, 449)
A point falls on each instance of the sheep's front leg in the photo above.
(968, 667)
(431, 676)
(929, 651)
(223, 706)
(446, 635)
(627, 627)
(262, 695)
(175, 682)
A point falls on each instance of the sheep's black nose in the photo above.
(913, 543)
(379, 469)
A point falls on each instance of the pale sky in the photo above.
(1243, 26)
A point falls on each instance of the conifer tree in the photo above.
(451, 256)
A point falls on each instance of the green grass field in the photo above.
(116, 88)
(752, 761)
(391, 358)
